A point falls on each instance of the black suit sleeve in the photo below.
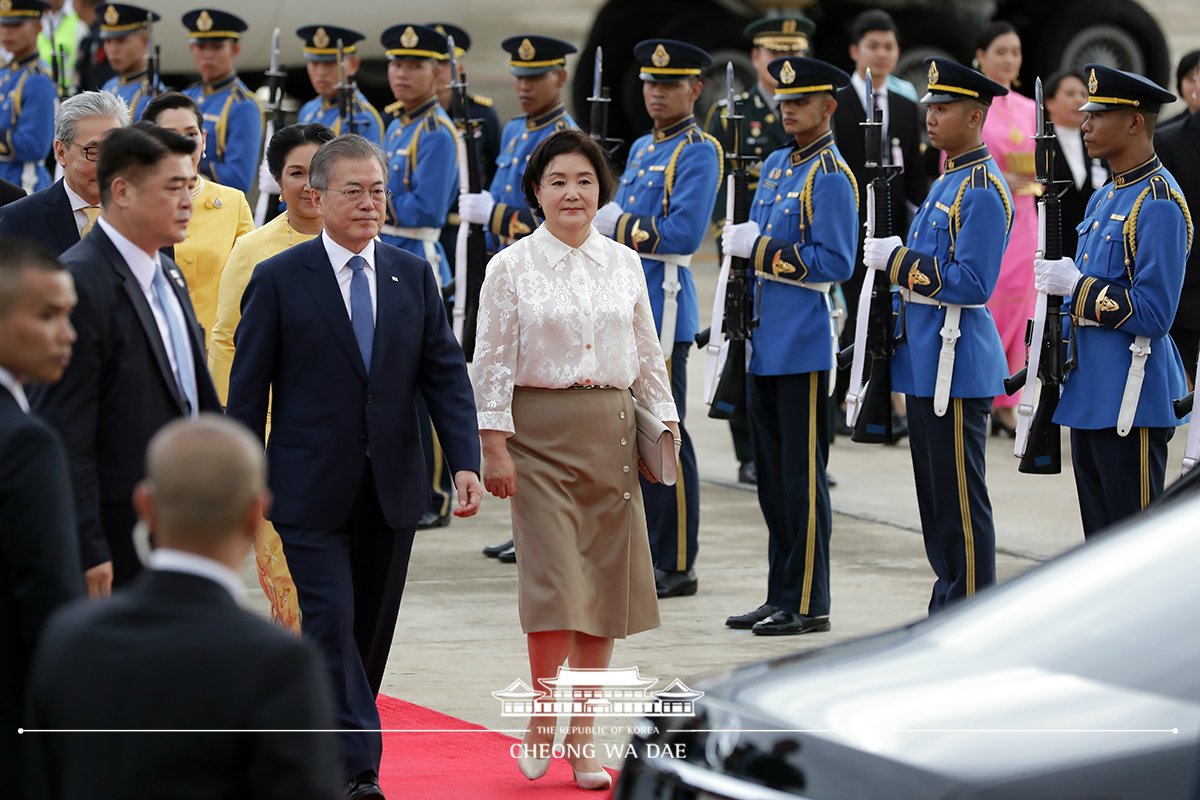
(916, 185)
(256, 342)
(9, 192)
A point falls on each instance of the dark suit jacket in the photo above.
(1178, 146)
(118, 391)
(10, 192)
(39, 560)
(44, 217)
(174, 651)
(1074, 201)
(295, 338)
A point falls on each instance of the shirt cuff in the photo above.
(496, 421)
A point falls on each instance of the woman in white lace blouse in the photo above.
(565, 332)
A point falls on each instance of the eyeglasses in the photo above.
(355, 195)
(90, 153)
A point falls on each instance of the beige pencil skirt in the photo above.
(583, 554)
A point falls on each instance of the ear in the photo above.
(697, 88)
(352, 64)
(831, 105)
(318, 200)
(854, 53)
(1136, 123)
(143, 503)
(60, 153)
(562, 78)
(237, 48)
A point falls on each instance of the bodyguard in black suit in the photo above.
(39, 554)
(1178, 146)
(139, 361)
(344, 331)
(174, 651)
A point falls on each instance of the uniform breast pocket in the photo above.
(931, 234)
(1104, 250)
(764, 211)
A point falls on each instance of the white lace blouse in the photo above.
(551, 316)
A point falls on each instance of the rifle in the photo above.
(733, 308)
(1039, 440)
(599, 108)
(56, 66)
(470, 254)
(869, 407)
(345, 93)
(153, 58)
(267, 207)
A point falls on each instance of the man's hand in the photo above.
(266, 181)
(1059, 276)
(99, 580)
(470, 493)
(738, 240)
(606, 219)
(878, 252)
(476, 209)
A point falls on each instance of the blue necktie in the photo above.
(185, 378)
(362, 319)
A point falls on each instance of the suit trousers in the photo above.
(1117, 476)
(673, 512)
(441, 481)
(789, 424)
(956, 514)
(349, 582)
(118, 520)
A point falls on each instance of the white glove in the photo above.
(606, 219)
(476, 209)
(266, 181)
(878, 252)
(738, 239)
(1055, 277)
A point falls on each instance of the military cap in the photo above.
(950, 81)
(414, 42)
(462, 40)
(533, 55)
(666, 60)
(212, 23)
(781, 34)
(1110, 88)
(796, 76)
(13, 12)
(320, 41)
(119, 19)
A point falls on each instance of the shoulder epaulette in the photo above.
(979, 177)
(486, 102)
(828, 163)
(1158, 189)
(562, 125)
(394, 108)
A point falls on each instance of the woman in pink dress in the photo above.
(1007, 131)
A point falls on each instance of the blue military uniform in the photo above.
(1132, 253)
(27, 98)
(233, 123)
(118, 20)
(948, 270)
(320, 46)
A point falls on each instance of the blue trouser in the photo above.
(441, 482)
(349, 582)
(673, 512)
(956, 514)
(1117, 476)
(789, 425)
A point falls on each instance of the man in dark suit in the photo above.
(174, 651)
(344, 331)
(139, 361)
(1077, 174)
(9, 192)
(59, 215)
(39, 554)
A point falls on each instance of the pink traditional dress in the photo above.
(1010, 124)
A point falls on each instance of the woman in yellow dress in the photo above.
(288, 155)
(220, 214)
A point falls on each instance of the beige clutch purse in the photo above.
(656, 445)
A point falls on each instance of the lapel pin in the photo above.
(216, 202)
(394, 278)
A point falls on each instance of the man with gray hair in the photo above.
(60, 215)
(345, 330)
(174, 651)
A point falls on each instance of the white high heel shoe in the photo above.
(533, 768)
(592, 780)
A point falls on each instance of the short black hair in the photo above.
(873, 20)
(131, 152)
(1055, 81)
(564, 143)
(993, 32)
(1186, 64)
(17, 256)
(169, 100)
(288, 139)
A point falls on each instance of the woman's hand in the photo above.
(499, 471)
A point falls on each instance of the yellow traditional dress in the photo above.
(219, 217)
(251, 249)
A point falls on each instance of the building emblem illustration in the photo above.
(600, 692)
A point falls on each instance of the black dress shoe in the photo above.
(493, 550)
(364, 786)
(431, 519)
(748, 473)
(676, 583)
(1000, 428)
(747, 621)
(509, 556)
(785, 623)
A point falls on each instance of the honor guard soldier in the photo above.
(662, 211)
(125, 32)
(538, 65)
(951, 363)
(321, 59)
(27, 97)
(1124, 285)
(801, 239)
(232, 120)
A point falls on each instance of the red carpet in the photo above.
(460, 765)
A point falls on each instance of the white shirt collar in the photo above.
(9, 382)
(76, 201)
(860, 85)
(556, 249)
(168, 560)
(340, 256)
(140, 263)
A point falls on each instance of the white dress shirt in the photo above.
(9, 382)
(143, 268)
(552, 316)
(77, 206)
(165, 559)
(1071, 142)
(339, 258)
(881, 96)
